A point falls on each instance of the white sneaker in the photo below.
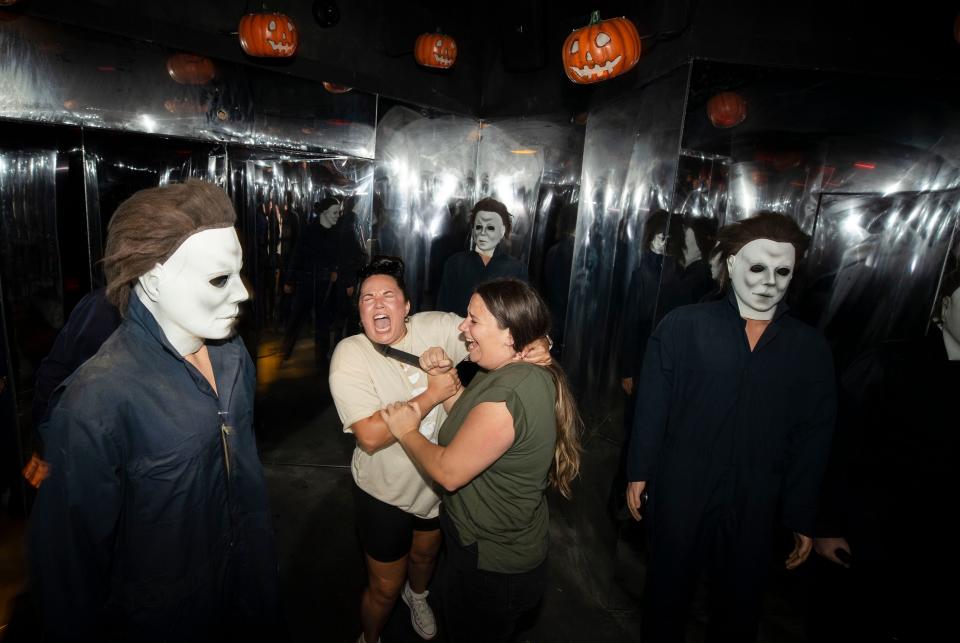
(421, 616)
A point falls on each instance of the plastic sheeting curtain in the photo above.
(31, 283)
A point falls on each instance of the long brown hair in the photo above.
(519, 308)
(149, 227)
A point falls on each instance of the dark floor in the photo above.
(593, 592)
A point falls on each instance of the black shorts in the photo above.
(386, 532)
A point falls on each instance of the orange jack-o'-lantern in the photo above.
(726, 109)
(188, 69)
(602, 50)
(435, 50)
(268, 35)
(334, 88)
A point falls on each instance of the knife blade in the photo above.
(397, 354)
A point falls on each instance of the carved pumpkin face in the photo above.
(726, 109)
(601, 50)
(268, 35)
(188, 69)
(435, 50)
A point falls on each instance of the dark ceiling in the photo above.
(508, 61)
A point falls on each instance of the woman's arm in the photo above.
(485, 435)
(372, 433)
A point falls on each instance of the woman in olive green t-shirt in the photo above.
(512, 432)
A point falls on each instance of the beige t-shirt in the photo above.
(363, 381)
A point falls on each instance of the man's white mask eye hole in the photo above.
(602, 39)
(220, 282)
(783, 272)
(575, 47)
(756, 268)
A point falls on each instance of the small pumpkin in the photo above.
(334, 88)
(602, 50)
(189, 69)
(435, 50)
(269, 35)
(726, 109)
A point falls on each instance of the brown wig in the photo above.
(492, 205)
(765, 225)
(519, 308)
(147, 229)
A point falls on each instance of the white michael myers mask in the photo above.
(488, 230)
(195, 294)
(330, 216)
(760, 274)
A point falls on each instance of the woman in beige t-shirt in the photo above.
(396, 506)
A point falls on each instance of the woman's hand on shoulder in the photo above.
(435, 361)
(401, 418)
(536, 352)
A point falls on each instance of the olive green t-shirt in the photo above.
(503, 509)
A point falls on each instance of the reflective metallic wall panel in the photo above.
(426, 184)
(51, 73)
(629, 164)
(807, 132)
(32, 286)
(431, 169)
(118, 164)
(533, 165)
(874, 267)
(277, 199)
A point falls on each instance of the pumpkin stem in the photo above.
(594, 17)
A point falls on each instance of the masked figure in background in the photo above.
(268, 259)
(490, 223)
(660, 256)
(694, 281)
(734, 418)
(890, 483)
(323, 273)
(153, 523)
(288, 230)
(556, 273)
